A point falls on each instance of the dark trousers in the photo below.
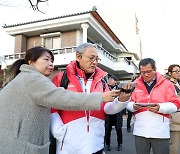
(52, 146)
(144, 145)
(108, 135)
(130, 114)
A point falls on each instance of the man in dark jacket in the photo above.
(113, 120)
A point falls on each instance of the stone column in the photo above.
(84, 26)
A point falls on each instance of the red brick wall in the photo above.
(33, 41)
(68, 39)
(20, 44)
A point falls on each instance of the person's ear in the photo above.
(30, 62)
(78, 56)
(169, 73)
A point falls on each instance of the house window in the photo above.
(129, 58)
(51, 40)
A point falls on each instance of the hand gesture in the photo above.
(154, 109)
(110, 95)
(125, 95)
(136, 107)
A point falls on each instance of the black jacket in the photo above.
(115, 119)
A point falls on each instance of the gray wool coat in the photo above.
(25, 111)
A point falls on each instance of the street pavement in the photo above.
(128, 146)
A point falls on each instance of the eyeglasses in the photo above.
(93, 58)
(177, 71)
(146, 72)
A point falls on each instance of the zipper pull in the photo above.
(87, 128)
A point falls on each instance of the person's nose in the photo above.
(51, 63)
(146, 74)
(95, 62)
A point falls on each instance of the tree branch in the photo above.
(35, 7)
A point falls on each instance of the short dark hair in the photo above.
(32, 54)
(112, 77)
(170, 68)
(147, 61)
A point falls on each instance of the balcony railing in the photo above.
(55, 52)
(72, 50)
(14, 56)
(107, 54)
(64, 50)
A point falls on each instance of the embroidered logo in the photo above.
(71, 86)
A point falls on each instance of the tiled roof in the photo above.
(93, 12)
(48, 19)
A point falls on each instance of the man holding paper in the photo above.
(152, 101)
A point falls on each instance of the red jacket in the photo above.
(163, 91)
(85, 129)
(74, 85)
(149, 124)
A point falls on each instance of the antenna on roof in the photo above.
(94, 8)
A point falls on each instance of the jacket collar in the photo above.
(159, 79)
(72, 70)
(28, 68)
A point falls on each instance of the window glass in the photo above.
(52, 42)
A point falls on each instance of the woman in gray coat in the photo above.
(25, 103)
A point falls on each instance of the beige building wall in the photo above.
(68, 39)
(20, 44)
(34, 41)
